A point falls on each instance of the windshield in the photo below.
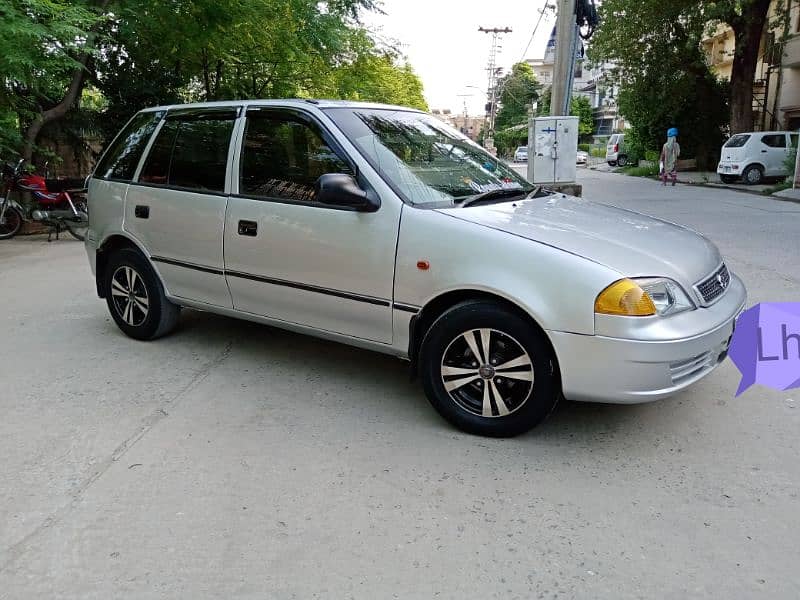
(425, 161)
(522, 149)
(737, 141)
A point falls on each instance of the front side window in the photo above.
(122, 157)
(190, 153)
(774, 140)
(425, 160)
(737, 141)
(282, 158)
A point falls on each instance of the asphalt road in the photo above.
(232, 460)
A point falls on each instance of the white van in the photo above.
(616, 154)
(755, 156)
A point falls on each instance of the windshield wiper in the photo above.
(496, 195)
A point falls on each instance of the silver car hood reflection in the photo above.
(629, 242)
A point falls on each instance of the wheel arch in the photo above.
(112, 243)
(437, 306)
(755, 164)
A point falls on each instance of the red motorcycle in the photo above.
(57, 203)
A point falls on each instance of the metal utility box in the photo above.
(552, 149)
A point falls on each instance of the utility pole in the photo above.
(566, 49)
(491, 109)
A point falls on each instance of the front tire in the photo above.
(488, 371)
(135, 297)
(12, 223)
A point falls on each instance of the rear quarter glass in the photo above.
(123, 154)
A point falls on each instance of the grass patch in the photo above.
(778, 187)
(645, 171)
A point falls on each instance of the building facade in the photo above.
(468, 125)
(593, 81)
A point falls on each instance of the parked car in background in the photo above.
(615, 150)
(755, 156)
(521, 154)
(582, 157)
(367, 224)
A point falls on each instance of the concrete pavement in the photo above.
(235, 460)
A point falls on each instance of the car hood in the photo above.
(631, 243)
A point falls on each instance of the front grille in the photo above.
(715, 285)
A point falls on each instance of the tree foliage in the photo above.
(581, 107)
(664, 35)
(518, 90)
(662, 72)
(156, 52)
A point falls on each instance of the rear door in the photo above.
(176, 206)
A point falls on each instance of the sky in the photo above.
(440, 39)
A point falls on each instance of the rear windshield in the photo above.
(613, 139)
(737, 141)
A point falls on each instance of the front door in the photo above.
(176, 207)
(290, 258)
(773, 153)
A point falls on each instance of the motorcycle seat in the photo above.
(67, 183)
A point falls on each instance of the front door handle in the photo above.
(248, 228)
(142, 211)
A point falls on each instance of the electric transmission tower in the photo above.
(494, 71)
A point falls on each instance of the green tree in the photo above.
(663, 75)
(45, 46)
(581, 107)
(518, 90)
(155, 52)
(665, 34)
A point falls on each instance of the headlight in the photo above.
(668, 297)
(643, 297)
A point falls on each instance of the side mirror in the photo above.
(338, 189)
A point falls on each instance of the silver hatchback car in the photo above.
(381, 227)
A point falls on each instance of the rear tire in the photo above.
(12, 223)
(622, 161)
(612, 163)
(136, 298)
(753, 175)
(488, 371)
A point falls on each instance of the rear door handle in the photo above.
(248, 228)
(141, 211)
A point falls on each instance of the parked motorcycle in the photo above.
(58, 203)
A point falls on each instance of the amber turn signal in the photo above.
(624, 297)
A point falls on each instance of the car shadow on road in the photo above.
(385, 383)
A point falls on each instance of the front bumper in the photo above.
(626, 371)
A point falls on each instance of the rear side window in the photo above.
(191, 152)
(777, 140)
(737, 141)
(122, 156)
